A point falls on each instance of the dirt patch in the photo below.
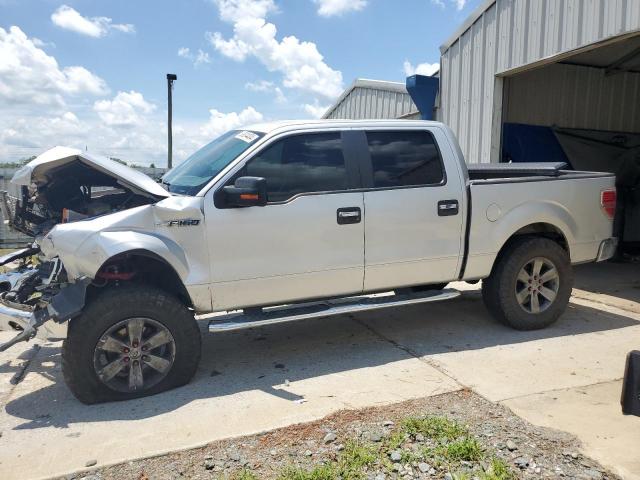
(452, 436)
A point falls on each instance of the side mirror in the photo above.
(246, 192)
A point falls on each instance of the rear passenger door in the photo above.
(413, 221)
(308, 241)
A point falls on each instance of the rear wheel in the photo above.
(130, 342)
(530, 285)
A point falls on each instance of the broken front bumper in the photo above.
(19, 320)
(48, 322)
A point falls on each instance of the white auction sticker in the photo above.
(246, 136)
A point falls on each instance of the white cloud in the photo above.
(459, 4)
(260, 86)
(30, 77)
(198, 58)
(70, 19)
(427, 69)
(126, 109)
(315, 110)
(267, 87)
(220, 122)
(301, 64)
(329, 8)
(235, 10)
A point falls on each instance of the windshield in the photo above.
(195, 172)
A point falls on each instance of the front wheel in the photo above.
(530, 285)
(130, 342)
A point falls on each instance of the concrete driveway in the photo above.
(567, 376)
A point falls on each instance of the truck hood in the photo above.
(42, 169)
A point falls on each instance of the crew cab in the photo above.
(280, 222)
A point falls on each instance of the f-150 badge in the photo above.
(187, 222)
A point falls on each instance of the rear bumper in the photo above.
(607, 249)
(14, 319)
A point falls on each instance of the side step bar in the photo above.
(326, 308)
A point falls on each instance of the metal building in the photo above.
(373, 99)
(561, 64)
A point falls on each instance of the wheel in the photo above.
(530, 285)
(130, 342)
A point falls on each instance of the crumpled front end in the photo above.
(35, 297)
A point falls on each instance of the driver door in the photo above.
(307, 242)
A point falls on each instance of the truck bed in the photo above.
(526, 172)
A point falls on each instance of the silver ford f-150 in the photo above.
(280, 222)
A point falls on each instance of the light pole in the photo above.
(171, 77)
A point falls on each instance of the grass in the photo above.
(451, 444)
(349, 466)
(436, 428)
(244, 475)
(467, 449)
(498, 470)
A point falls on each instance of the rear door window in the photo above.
(301, 164)
(404, 158)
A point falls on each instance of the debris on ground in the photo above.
(455, 436)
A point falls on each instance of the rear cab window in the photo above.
(404, 158)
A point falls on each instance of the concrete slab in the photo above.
(587, 345)
(592, 414)
(616, 284)
(266, 378)
(247, 382)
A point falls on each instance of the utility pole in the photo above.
(171, 77)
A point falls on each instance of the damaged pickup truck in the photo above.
(281, 222)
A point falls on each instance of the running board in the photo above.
(326, 308)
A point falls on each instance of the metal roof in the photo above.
(397, 104)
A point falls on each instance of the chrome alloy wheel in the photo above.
(537, 285)
(134, 354)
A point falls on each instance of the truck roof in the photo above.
(269, 127)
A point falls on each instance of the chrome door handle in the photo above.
(349, 215)
(447, 208)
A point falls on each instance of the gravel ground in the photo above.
(452, 436)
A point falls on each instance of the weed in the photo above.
(320, 472)
(354, 457)
(466, 449)
(244, 475)
(437, 428)
(498, 470)
(395, 440)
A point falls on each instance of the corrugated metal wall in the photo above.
(376, 103)
(573, 96)
(508, 34)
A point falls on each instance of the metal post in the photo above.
(170, 79)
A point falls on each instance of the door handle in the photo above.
(349, 215)
(447, 208)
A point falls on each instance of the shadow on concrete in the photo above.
(620, 280)
(264, 358)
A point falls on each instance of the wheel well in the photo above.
(142, 267)
(544, 230)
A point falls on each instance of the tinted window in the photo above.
(301, 164)
(195, 172)
(404, 159)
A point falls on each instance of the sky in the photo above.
(92, 74)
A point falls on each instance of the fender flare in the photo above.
(99, 248)
(531, 213)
